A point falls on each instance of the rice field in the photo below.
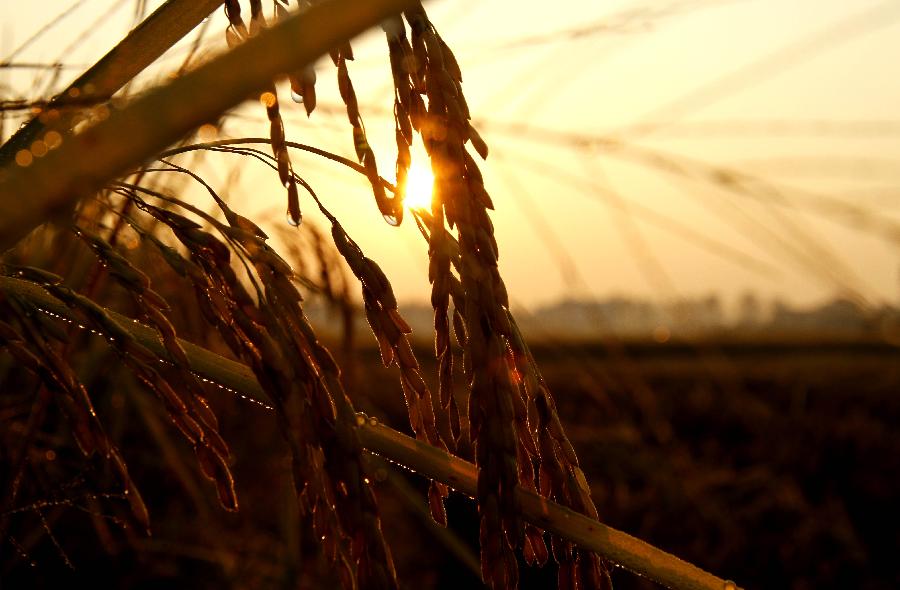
(172, 414)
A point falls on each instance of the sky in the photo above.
(655, 149)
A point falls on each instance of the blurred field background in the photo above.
(698, 211)
(772, 462)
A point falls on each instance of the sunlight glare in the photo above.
(419, 185)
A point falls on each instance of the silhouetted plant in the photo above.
(117, 241)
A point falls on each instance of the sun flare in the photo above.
(419, 186)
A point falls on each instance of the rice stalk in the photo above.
(505, 415)
(526, 476)
(61, 177)
(620, 548)
(30, 346)
(302, 382)
(141, 47)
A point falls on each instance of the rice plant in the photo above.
(131, 316)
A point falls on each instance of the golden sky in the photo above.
(619, 134)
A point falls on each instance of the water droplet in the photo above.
(391, 219)
(207, 132)
(297, 97)
(360, 418)
(268, 99)
(39, 148)
(293, 222)
(373, 421)
(24, 158)
(53, 139)
(729, 585)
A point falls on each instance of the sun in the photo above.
(419, 186)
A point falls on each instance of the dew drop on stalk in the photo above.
(297, 97)
(391, 219)
(53, 139)
(729, 585)
(39, 148)
(24, 158)
(292, 221)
